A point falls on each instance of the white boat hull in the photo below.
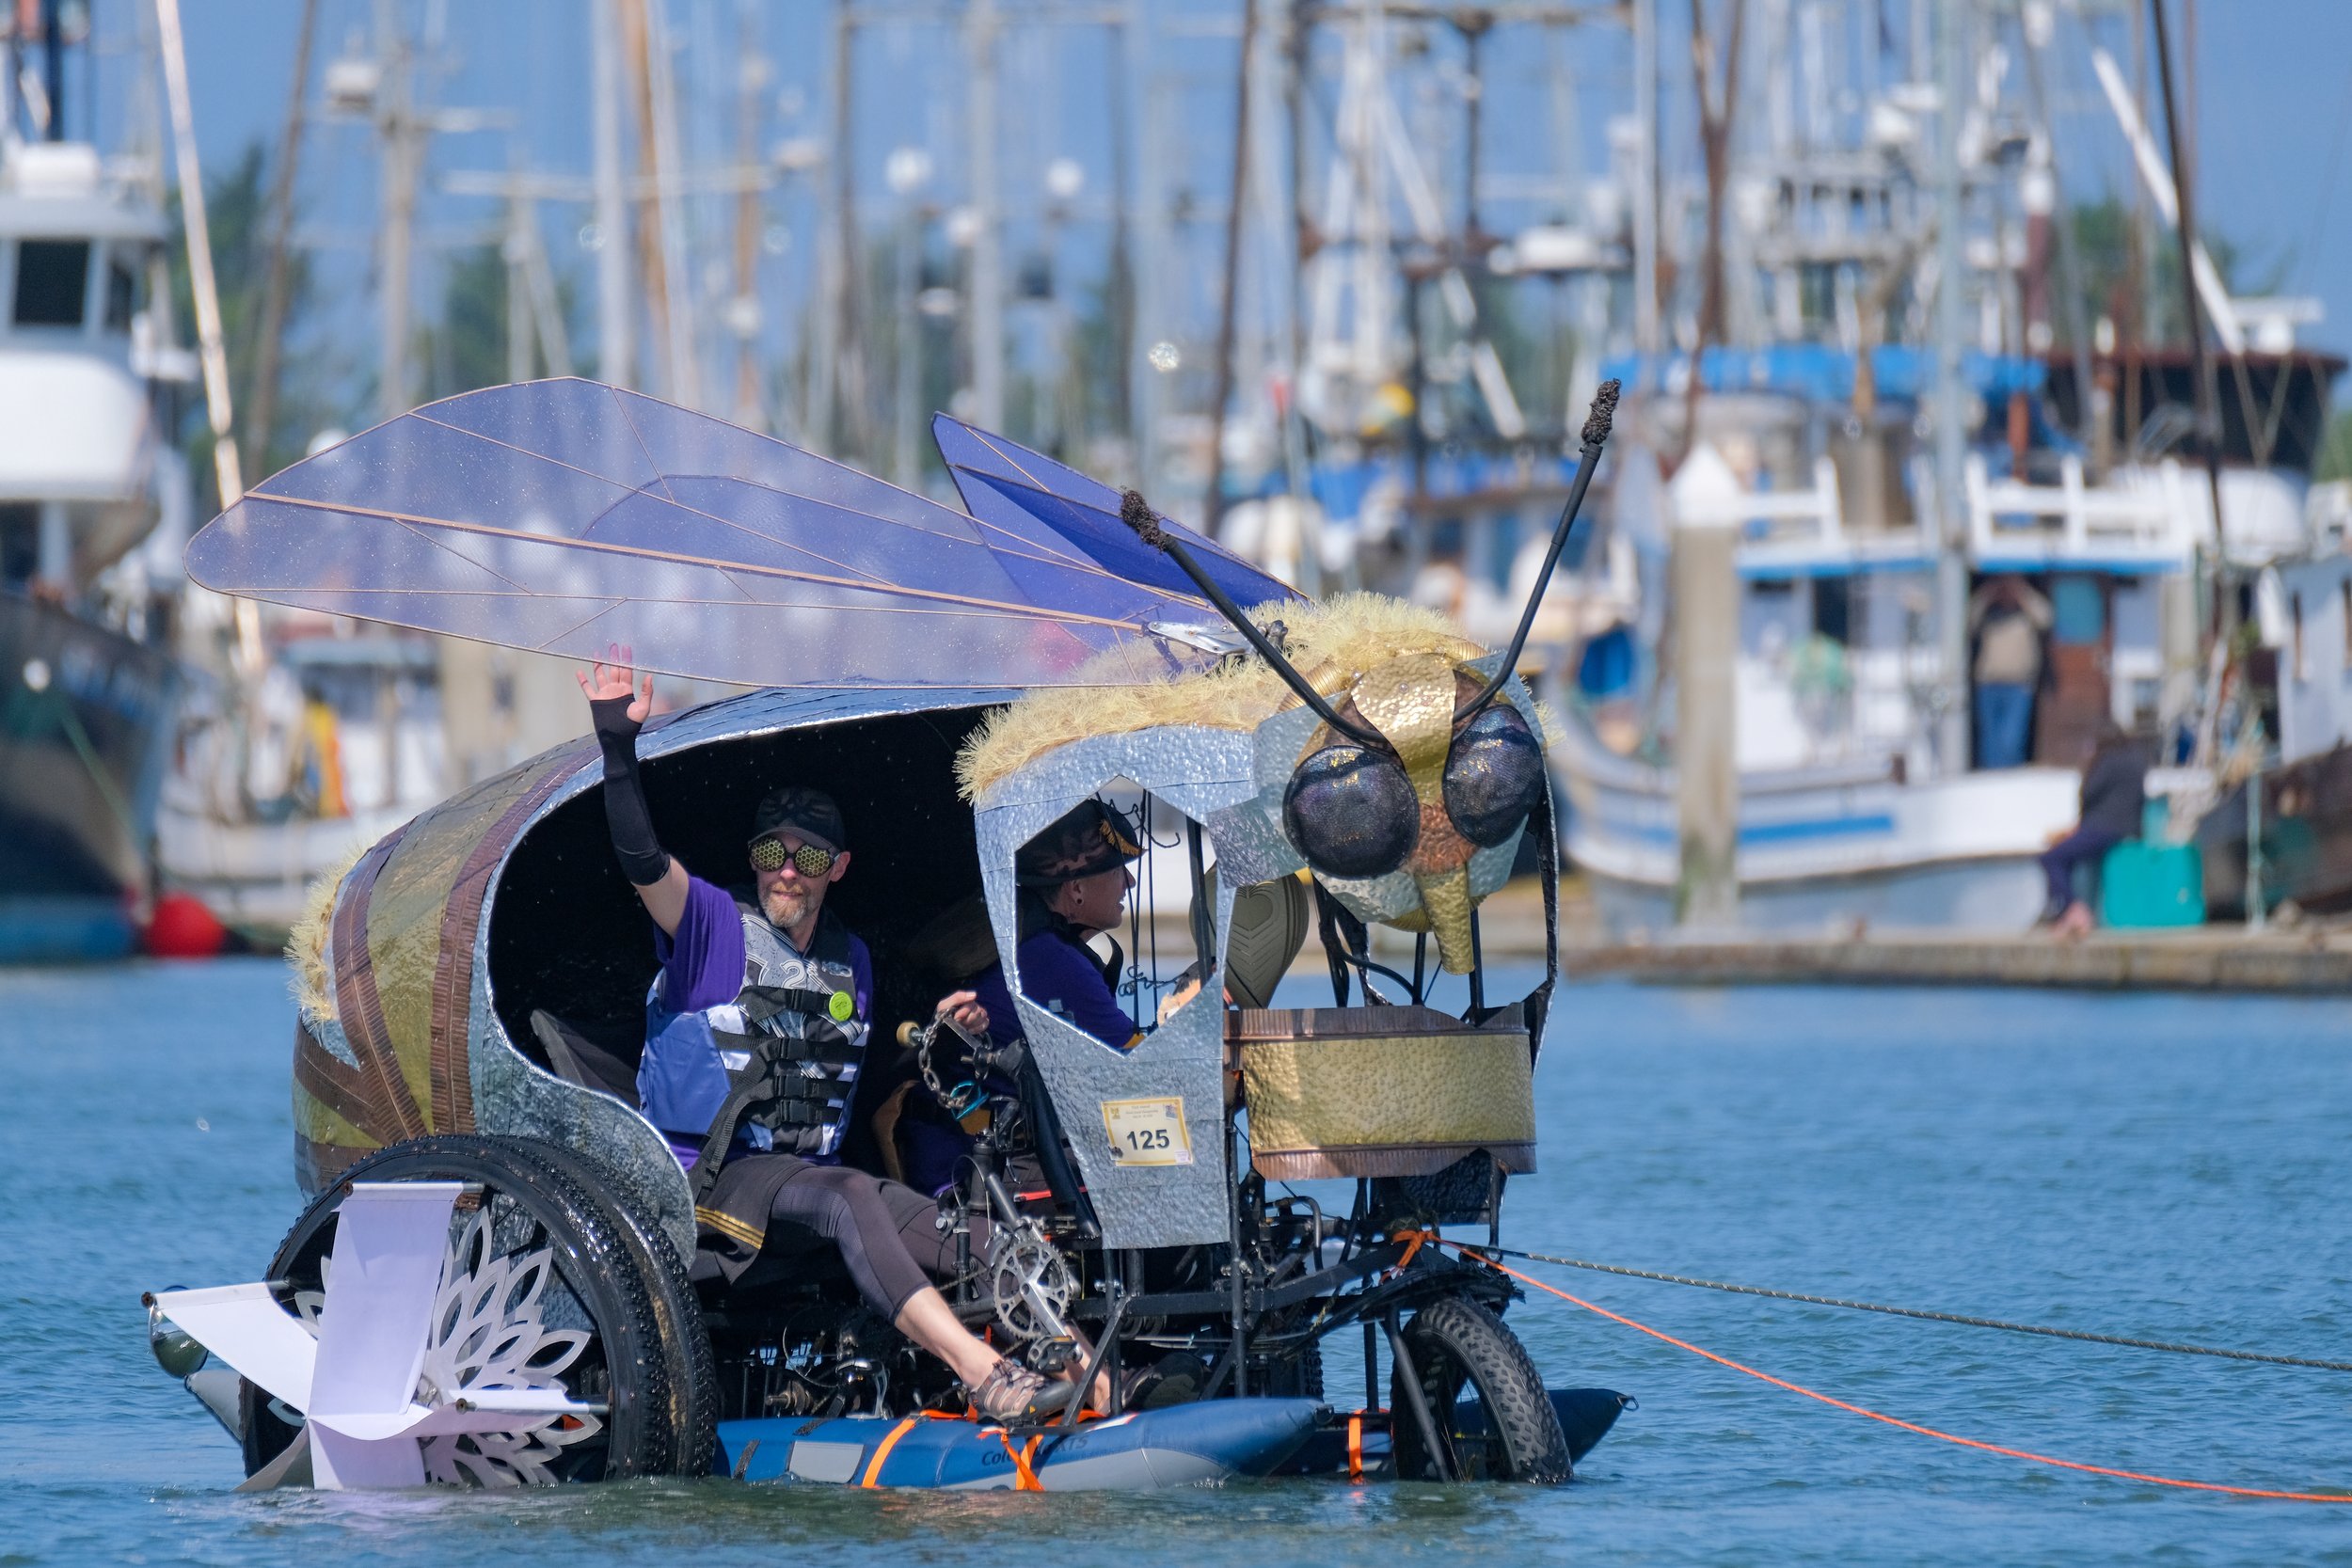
(1823, 847)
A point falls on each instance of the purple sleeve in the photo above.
(1053, 971)
(702, 965)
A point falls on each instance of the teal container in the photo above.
(2144, 886)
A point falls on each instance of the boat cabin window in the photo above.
(52, 282)
(20, 543)
(1832, 609)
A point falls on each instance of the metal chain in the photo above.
(1915, 1312)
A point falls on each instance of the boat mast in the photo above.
(211, 354)
(397, 127)
(662, 132)
(269, 344)
(1648, 339)
(988, 281)
(615, 332)
(1951, 563)
(752, 79)
(2184, 233)
(1229, 302)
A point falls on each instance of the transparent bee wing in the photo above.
(564, 516)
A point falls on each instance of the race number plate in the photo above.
(1148, 1131)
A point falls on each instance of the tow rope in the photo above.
(1920, 1313)
(1477, 1255)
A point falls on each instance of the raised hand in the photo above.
(613, 677)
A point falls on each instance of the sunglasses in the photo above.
(809, 860)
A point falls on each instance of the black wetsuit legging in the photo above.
(888, 1233)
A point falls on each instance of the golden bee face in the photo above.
(1401, 830)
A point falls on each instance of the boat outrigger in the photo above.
(496, 1279)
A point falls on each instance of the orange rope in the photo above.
(873, 1470)
(1893, 1421)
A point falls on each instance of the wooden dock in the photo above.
(2214, 959)
(2309, 959)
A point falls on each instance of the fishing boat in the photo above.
(88, 393)
(1848, 811)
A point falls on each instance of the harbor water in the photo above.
(2149, 1165)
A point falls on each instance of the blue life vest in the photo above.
(775, 1068)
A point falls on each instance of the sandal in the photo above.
(1177, 1379)
(1012, 1394)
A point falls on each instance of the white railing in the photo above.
(2072, 519)
(1810, 517)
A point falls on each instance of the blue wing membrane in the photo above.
(1008, 486)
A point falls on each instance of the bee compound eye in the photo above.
(1351, 811)
(1494, 775)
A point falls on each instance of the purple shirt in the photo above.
(1056, 970)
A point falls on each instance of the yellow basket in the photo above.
(1382, 1091)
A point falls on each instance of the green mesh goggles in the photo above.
(809, 860)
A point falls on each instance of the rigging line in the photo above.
(1866, 1412)
(1926, 1316)
(599, 546)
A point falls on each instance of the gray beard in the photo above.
(783, 911)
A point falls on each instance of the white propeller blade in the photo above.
(244, 1326)
(356, 1381)
(390, 1241)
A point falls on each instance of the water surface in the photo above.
(2159, 1165)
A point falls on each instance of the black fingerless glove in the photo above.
(627, 818)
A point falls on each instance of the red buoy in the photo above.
(183, 928)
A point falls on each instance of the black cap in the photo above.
(809, 813)
(1091, 837)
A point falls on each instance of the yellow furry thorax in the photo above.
(1333, 642)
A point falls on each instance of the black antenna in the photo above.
(1596, 433)
(1137, 513)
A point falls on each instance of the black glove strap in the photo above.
(626, 816)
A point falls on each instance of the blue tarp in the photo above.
(1819, 372)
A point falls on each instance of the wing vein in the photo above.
(600, 546)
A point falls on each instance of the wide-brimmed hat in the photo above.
(1091, 837)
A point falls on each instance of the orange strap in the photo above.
(873, 1468)
(1023, 1475)
(1906, 1426)
(1355, 1446)
(1412, 1248)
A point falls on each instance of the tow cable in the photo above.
(1485, 1255)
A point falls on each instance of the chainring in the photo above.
(1031, 1283)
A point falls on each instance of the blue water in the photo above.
(2159, 1165)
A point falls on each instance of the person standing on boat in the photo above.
(2008, 619)
(2114, 798)
(756, 1029)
